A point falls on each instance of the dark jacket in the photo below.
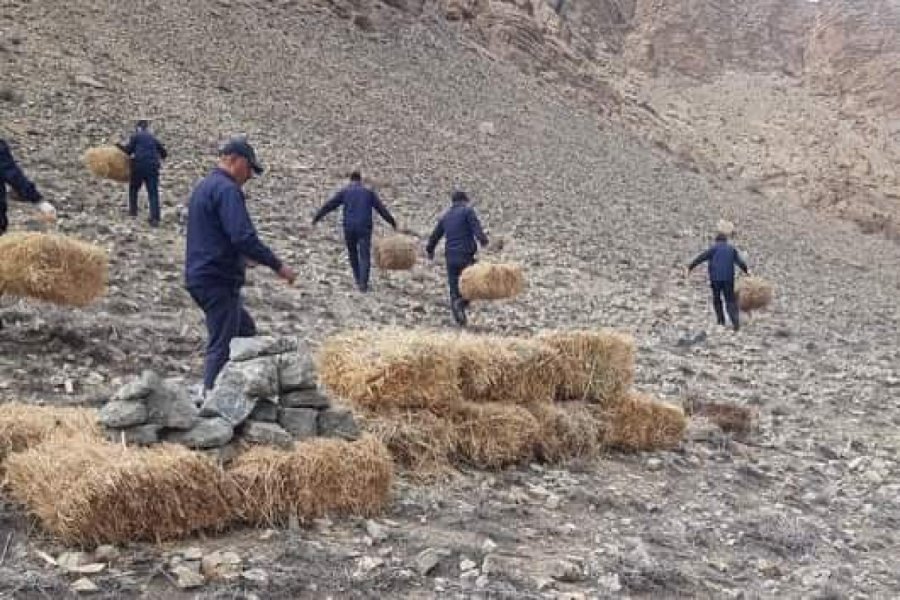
(358, 202)
(461, 227)
(220, 235)
(11, 174)
(146, 150)
(722, 257)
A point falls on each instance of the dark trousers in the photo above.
(359, 250)
(724, 290)
(149, 179)
(226, 318)
(455, 267)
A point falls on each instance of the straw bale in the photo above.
(395, 253)
(419, 441)
(53, 268)
(567, 431)
(730, 417)
(507, 369)
(598, 364)
(493, 436)
(91, 492)
(387, 368)
(108, 162)
(754, 293)
(491, 281)
(640, 423)
(23, 426)
(724, 227)
(318, 477)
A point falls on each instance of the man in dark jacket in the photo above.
(358, 203)
(12, 175)
(722, 257)
(147, 153)
(461, 227)
(221, 239)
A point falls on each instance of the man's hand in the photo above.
(287, 273)
(48, 212)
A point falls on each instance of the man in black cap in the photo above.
(722, 257)
(147, 153)
(358, 202)
(461, 227)
(12, 175)
(221, 239)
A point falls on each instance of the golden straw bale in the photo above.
(491, 281)
(598, 364)
(52, 267)
(567, 430)
(318, 477)
(493, 436)
(387, 368)
(90, 492)
(640, 423)
(108, 162)
(419, 440)
(725, 228)
(395, 253)
(23, 426)
(754, 293)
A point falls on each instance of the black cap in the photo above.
(143, 123)
(240, 147)
(459, 196)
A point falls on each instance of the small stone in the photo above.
(466, 564)
(123, 413)
(301, 423)
(566, 571)
(366, 564)
(703, 430)
(88, 81)
(221, 565)
(188, 576)
(139, 388)
(487, 128)
(106, 553)
(256, 576)
(139, 435)
(273, 434)
(488, 546)
(610, 583)
(246, 348)
(265, 411)
(427, 561)
(69, 561)
(84, 586)
(873, 476)
(192, 553)
(305, 399)
(338, 423)
(377, 532)
(207, 433)
(482, 582)
(654, 464)
(296, 371)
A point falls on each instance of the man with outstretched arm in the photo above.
(722, 257)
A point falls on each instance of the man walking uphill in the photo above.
(358, 202)
(11, 174)
(722, 257)
(221, 239)
(461, 227)
(147, 153)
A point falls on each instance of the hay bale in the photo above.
(640, 423)
(754, 293)
(507, 369)
(395, 253)
(491, 281)
(598, 365)
(567, 431)
(493, 436)
(23, 426)
(108, 162)
(91, 492)
(419, 441)
(391, 368)
(318, 477)
(53, 268)
(725, 228)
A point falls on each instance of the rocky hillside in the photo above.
(592, 169)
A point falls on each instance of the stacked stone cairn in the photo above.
(266, 394)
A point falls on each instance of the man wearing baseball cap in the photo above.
(221, 239)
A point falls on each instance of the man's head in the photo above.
(143, 124)
(355, 177)
(459, 197)
(238, 158)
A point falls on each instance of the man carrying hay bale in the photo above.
(358, 203)
(461, 227)
(221, 239)
(722, 257)
(12, 175)
(147, 153)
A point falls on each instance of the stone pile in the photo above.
(266, 394)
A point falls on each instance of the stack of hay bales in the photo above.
(108, 162)
(491, 281)
(395, 253)
(754, 293)
(437, 399)
(52, 268)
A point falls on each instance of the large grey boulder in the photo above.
(257, 432)
(169, 405)
(246, 348)
(265, 411)
(138, 389)
(338, 423)
(301, 423)
(296, 370)
(206, 433)
(239, 386)
(305, 399)
(118, 414)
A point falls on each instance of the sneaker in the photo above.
(459, 312)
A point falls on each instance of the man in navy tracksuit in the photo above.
(358, 203)
(461, 227)
(147, 153)
(12, 175)
(722, 257)
(221, 239)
